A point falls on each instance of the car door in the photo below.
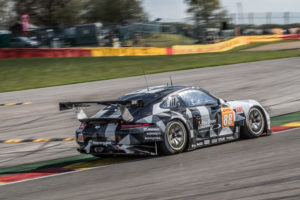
(204, 112)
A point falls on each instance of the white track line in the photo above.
(81, 170)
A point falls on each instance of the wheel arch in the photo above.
(264, 116)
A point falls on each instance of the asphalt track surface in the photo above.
(275, 83)
(262, 169)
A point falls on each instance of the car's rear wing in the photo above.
(122, 105)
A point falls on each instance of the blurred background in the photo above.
(134, 23)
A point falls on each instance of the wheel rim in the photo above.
(176, 136)
(255, 121)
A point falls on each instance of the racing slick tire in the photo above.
(175, 138)
(254, 124)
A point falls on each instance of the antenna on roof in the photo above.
(171, 80)
(145, 78)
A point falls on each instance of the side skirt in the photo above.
(213, 141)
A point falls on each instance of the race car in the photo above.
(166, 120)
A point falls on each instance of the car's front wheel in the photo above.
(175, 138)
(254, 124)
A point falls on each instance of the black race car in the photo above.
(166, 120)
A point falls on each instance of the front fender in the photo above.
(247, 105)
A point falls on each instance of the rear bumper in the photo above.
(108, 148)
(136, 141)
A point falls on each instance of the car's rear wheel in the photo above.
(254, 124)
(175, 138)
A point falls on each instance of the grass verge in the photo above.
(20, 74)
(284, 119)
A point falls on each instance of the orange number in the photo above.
(227, 117)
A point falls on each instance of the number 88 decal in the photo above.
(227, 117)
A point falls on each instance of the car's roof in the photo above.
(154, 92)
(159, 89)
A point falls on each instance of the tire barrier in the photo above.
(142, 51)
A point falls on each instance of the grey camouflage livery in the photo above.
(167, 120)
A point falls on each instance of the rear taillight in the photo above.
(82, 125)
(80, 137)
(125, 126)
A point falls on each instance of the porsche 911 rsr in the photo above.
(166, 120)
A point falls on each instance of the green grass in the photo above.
(20, 74)
(284, 119)
(166, 40)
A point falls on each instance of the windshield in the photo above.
(197, 98)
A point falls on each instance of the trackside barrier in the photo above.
(291, 37)
(43, 53)
(264, 38)
(206, 48)
(126, 51)
(143, 51)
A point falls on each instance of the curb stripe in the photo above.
(41, 140)
(293, 124)
(35, 174)
(38, 140)
(69, 139)
(15, 104)
(48, 172)
(280, 128)
(13, 141)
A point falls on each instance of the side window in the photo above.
(197, 98)
(171, 102)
